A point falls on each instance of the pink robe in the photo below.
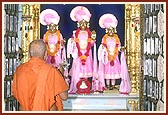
(105, 68)
(60, 55)
(97, 81)
(78, 70)
(125, 86)
(118, 70)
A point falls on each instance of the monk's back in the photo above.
(27, 77)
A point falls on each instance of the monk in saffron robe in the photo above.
(37, 85)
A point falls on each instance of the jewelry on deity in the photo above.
(52, 27)
(111, 30)
(56, 45)
(111, 57)
(93, 35)
(84, 56)
(83, 24)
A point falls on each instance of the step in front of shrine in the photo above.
(99, 102)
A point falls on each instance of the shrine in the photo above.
(112, 56)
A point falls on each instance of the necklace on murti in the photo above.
(84, 56)
(57, 45)
(111, 58)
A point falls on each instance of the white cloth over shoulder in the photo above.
(72, 49)
(102, 54)
(125, 86)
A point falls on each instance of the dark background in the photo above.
(66, 25)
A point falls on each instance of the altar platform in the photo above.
(110, 100)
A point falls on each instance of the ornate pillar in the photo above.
(30, 27)
(132, 44)
(133, 49)
(141, 84)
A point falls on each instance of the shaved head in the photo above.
(37, 48)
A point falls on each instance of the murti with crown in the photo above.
(110, 68)
(79, 46)
(56, 54)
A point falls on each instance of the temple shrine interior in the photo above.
(113, 55)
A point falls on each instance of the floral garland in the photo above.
(57, 45)
(86, 54)
(111, 57)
